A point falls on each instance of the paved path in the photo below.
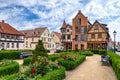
(91, 69)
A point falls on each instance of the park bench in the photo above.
(25, 54)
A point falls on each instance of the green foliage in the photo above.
(40, 50)
(8, 67)
(27, 61)
(115, 62)
(72, 61)
(87, 53)
(53, 57)
(58, 74)
(9, 77)
(9, 54)
(99, 51)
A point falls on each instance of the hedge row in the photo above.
(69, 65)
(27, 61)
(53, 57)
(11, 54)
(9, 69)
(115, 62)
(99, 51)
(87, 53)
(58, 74)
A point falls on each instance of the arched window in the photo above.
(79, 22)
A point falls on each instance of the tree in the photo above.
(40, 50)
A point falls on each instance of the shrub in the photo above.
(8, 67)
(9, 54)
(115, 62)
(87, 53)
(9, 77)
(53, 57)
(27, 61)
(58, 74)
(69, 64)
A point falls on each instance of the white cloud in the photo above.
(53, 12)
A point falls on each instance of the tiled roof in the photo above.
(64, 25)
(58, 34)
(8, 29)
(37, 32)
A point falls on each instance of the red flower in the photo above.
(33, 70)
(59, 64)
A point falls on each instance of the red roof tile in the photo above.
(58, 34)
(8, 29)
(64, 24)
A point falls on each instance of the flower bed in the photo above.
(8, 67)
(71, 61)
(115, 62)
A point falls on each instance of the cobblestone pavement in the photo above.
(91, 69)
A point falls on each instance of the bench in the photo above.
(25, 54)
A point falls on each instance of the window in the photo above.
(63, 31)
(68, 37)
(82, 29)
(8, 45)
(67, 30)
(53, 45)
(93, 35)
(63, 36)
(99, 35)
(12, 45)
(96, 27)
(53, 35)
(2, 36)
(83, 37)
(44, 39)
(76, 37)
(79, 22)
(32, 39)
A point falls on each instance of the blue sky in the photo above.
(29, 14)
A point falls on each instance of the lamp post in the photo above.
(114, 33)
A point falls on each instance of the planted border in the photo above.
(115, 62)
(10, 69)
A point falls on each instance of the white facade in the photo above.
(11, 42)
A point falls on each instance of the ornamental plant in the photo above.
(40, 50)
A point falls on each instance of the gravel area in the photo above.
(91, 69)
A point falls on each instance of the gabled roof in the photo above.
(102, 25)
(8, 29)
(64, 25)
(79, 13)
(57, 34)
(37, 32)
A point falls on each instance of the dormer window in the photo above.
(79, 22)
(67, 30)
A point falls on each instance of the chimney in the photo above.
(3, 21)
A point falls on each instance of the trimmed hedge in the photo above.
(27, 61)
(11, 54)
(87, 53)
(99, 51)
(9, 69)
(10, 77)
(69, 65)
(115, 62)
(58, 74)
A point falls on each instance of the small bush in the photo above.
(87, 53)
(58, 74)
(6, 69)
(27, 61)
(9, 77)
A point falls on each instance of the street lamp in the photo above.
(114, 33)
